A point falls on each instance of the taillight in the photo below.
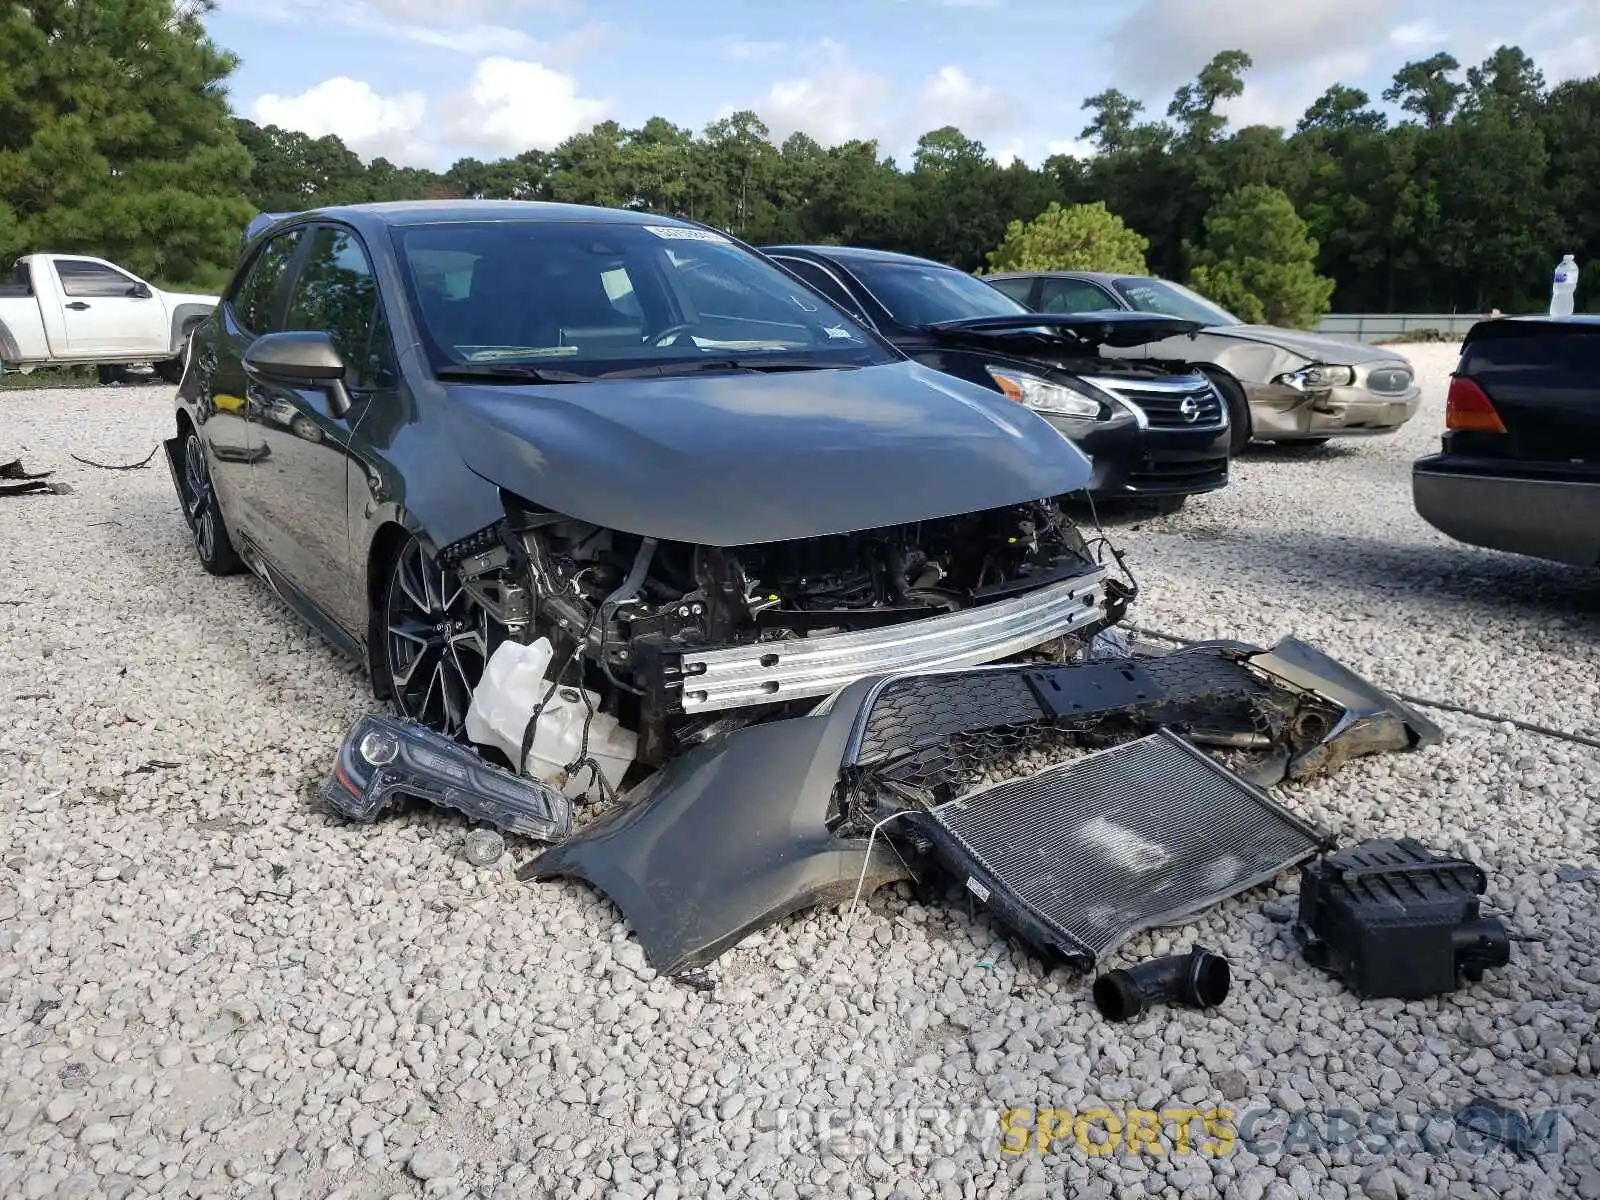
(1469, 407)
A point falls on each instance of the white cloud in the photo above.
(952, 97)
(1561, 41)
(513, 105)
(367, 121)
(1163, 43)
(836, 104)
(1419, 34)
(510, 105)
(836, 101)
(1073, 147)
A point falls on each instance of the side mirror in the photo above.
(300, 359)
(140, 291)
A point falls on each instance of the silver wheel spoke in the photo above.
(438, 642)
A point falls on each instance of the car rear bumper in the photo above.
(1279, 413)
(1536, 513)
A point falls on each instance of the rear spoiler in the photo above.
(258, 223)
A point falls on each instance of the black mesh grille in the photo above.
(1082, 856)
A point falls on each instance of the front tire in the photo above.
(1240, 429)
(171, 370)
(436, 641)
(212, 543)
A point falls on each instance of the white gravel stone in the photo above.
(209, 988)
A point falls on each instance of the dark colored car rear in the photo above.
(1519, 465)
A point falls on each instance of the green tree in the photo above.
(1506, 79)
(1498, 221)
(953, 216)
(115, 136)
(525, 177)
(739, 165)
(1425, 89)
(1570, 121)
(1083, 237)
(1116, 117)
(1259, 260)
(587, 168)
(1342, 109)
(1194, 106)
(291, 171)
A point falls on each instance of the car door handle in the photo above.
(77, 306)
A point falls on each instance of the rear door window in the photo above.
(1018, 289)
(1073, 296)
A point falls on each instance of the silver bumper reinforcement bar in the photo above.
(769, 672)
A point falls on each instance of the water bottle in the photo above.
(1563, 286)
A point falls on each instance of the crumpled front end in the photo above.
(1320, 400)
(1073, 800)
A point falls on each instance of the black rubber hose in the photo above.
(1198, 979)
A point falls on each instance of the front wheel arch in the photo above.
(387, 542)
(1240, 427)
(445, 636)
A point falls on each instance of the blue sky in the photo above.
(428, 81)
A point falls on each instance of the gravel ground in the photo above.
(206, 988)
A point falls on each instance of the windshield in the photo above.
(1172, 300)
(918, 294)
(588, 298)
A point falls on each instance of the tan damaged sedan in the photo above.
(1281, 385)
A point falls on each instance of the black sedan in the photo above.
(434, 428)
(1519, 464)
(1156, 430)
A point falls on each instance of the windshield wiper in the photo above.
(509, 373)
(695, 366)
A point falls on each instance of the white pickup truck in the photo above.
(70, 309)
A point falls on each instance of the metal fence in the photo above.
(1376, 327)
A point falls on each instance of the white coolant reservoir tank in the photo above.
(512, 686)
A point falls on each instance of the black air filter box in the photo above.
(1391, 918)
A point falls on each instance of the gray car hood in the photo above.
(737, 459)
(1313, 347)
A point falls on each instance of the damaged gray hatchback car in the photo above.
(615, 510)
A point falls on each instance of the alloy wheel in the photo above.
(437, 642)
(199, 502)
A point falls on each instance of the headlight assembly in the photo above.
(1045, 397)
(1317, 377)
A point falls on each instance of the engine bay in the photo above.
(626, 614)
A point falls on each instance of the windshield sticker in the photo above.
(490, 353)
(839, 331)
(705, 343)
(674, 233)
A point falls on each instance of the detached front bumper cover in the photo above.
(758, 824)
